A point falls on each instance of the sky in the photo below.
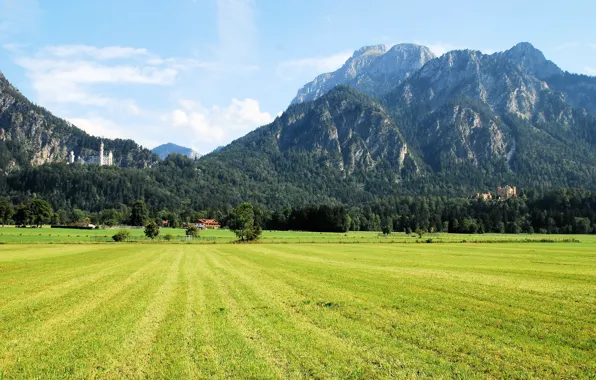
(201, 73)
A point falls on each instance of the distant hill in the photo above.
(163, 151)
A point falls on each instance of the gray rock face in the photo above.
(347, 130)
(490, 79)
(532, 60)
(372, 70)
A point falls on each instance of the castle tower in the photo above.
(101, 161)
(110, 158)
(71, 157)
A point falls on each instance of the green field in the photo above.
(288, 311)
(54, 235)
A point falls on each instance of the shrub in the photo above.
(193, 231)
(168, 237)
(152, 230)
(122, 235)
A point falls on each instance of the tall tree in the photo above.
(6, 211)
(139, 213)
(242, 222)
(23, 215)
(41, 211)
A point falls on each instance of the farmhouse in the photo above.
(208, 224)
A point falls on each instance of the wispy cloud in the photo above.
(17, 16)
(106, 53)
(71, 73)
(298, 68)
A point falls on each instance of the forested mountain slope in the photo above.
(31, 136)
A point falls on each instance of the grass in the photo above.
(56, 235)
(289, 310)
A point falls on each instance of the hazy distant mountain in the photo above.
(165, 150)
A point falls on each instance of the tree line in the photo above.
(564, 211)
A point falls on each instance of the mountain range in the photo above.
(390, 121)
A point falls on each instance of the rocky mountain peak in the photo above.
(373, 70)
(532, 60)
(370, 50)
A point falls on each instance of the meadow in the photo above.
(10, 234)
(298, 310)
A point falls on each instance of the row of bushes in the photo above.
(152, 231)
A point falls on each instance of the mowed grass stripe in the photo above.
(308, 348)
(134, 359)
(88, 345)
(61, 285)
(59, 325)
(50, 271)
(373, 348)
(20, 317)
(333, 283)
(456, 288)
(544, 290)
(247, 358)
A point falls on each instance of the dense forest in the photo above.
(136, 198)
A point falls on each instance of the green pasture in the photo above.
(11, 234)
(508, 310)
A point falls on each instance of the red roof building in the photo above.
(208, 224)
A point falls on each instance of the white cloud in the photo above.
(98, 126)
(106, 53)
(70, 73)
(217, 125)
(311, 66)
(590, 70)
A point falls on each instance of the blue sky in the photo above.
(201, 73)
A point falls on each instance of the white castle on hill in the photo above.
(101, 159)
